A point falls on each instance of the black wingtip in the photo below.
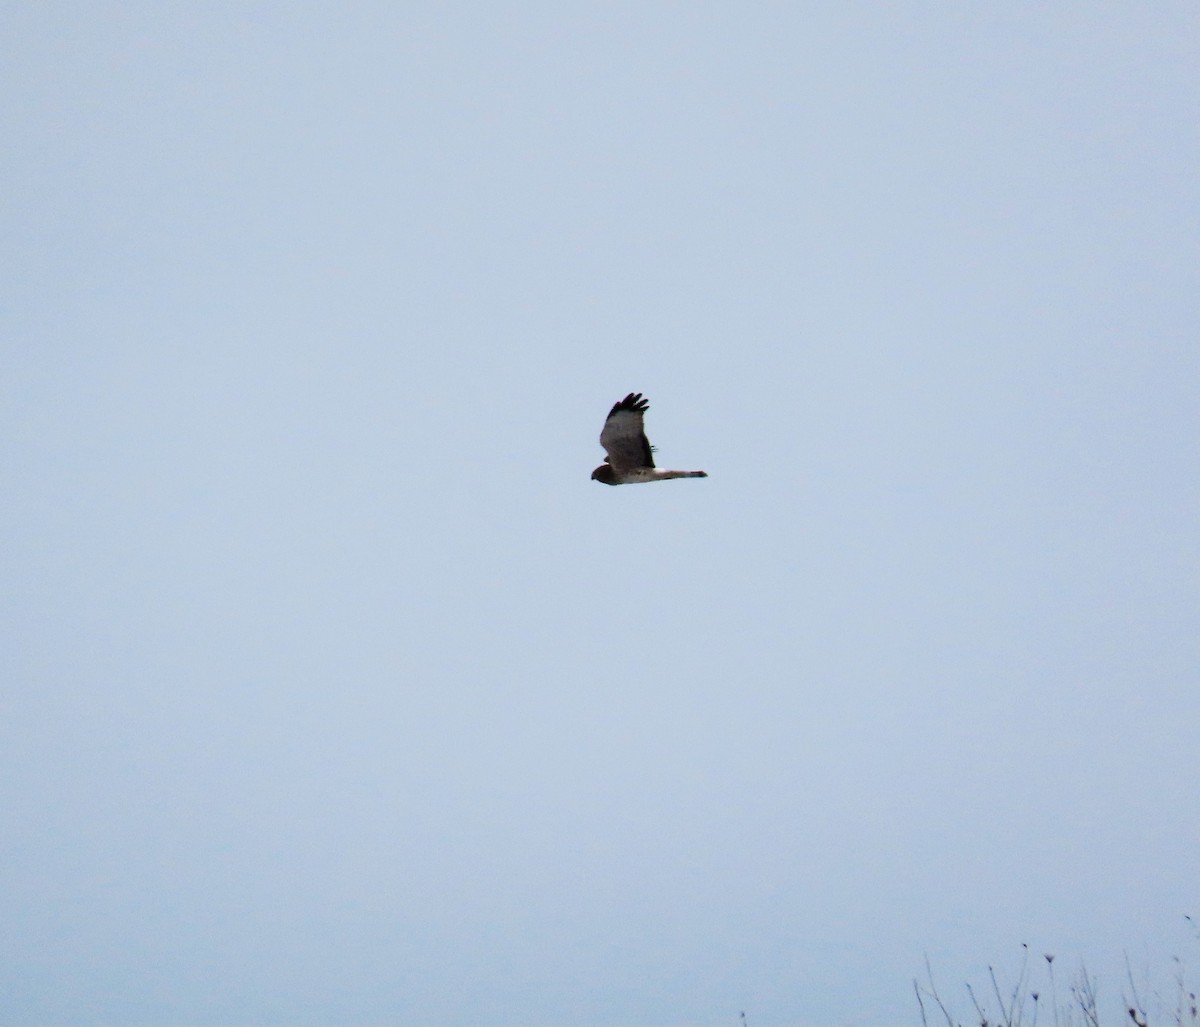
(633, 402)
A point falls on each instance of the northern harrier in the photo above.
(630, 456)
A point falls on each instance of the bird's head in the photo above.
(604, 474)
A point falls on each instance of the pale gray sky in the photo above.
(334, 691)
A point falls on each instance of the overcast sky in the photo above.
(335, 693)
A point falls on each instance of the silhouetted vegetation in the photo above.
(1034, 996)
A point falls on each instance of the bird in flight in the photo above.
(630, 456)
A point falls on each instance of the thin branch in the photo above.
(983, 1020)
(920, 1002)
(1084, 991)
(1137, 1007)
(933, 993)
(1053, 988)
(1004, 1012)
(1017, 1002)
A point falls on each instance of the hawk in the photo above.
(630, 456)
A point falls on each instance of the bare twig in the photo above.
(1007, 1018)
(920, 1002)
(1084, 990)
(932, 992)
(1020, 1004)
(983, 1020)
(1136, 1009)
(1017, 1002)
(1053, 990)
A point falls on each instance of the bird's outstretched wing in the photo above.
(623, 436)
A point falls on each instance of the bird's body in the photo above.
(630, 457)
